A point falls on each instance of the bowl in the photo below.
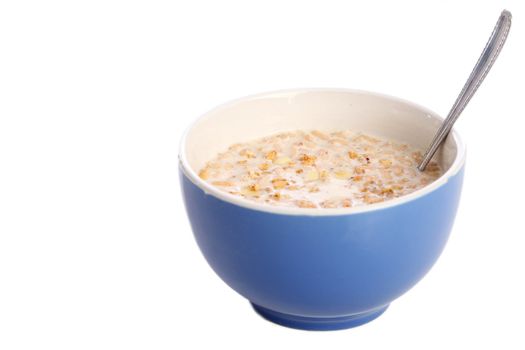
(319, 269)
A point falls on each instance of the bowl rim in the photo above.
(208, 189)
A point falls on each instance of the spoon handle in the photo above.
(482, 67)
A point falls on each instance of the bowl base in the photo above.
(318, 323)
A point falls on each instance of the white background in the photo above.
(95, 248)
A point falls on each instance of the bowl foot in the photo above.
(318, 323)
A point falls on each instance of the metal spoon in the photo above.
(482, 67)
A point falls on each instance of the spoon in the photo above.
(482, 67)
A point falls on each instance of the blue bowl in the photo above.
(320, 269)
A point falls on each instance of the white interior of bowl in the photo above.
(322, 109)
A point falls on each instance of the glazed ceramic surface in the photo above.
(319, 268)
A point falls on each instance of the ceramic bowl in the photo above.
(319, 269)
